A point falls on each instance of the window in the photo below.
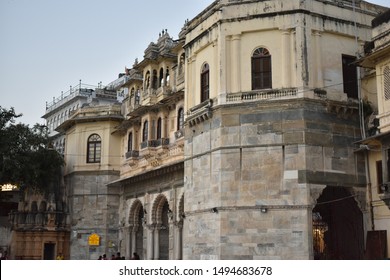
(130, 142)
(145, 132)
(350, 82)
(180, 119)
(154, 80)
(147, 80)
(261, 69)
(161, 78)
(94, 149)
(137, 97)
(386, 82)
(159, 128)
(167, 78)
(379, 175)
(205, 83)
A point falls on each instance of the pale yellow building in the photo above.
(235, 141)
(272, 106)
(92, 156)
(151, 172)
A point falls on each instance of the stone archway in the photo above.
(160, 220)
(136, 219)
(338, 231)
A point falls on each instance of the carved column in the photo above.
(157, 242)
(318, 76)
(286, 59)
(235, 63)
(179, 241)
(150, 243)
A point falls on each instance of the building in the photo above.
(152, 169)
(272, 112)
(375, 144)
(235, 141)
(92, 160)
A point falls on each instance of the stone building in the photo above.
(272, 112)
(152, 170)
(92, 160)
(375, 144)
(236, 141)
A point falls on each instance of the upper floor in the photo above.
(91, 144)
(153, 106)
(254, 51)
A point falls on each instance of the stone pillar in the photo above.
(150, 245)
(179, 241)
(28, 250)
(133, 241)
(235, 63)
(38, 244)
(156, 242)
(318, 76)
(286, 59)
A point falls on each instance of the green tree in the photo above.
(26, 159)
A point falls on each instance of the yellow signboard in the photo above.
(94, 240)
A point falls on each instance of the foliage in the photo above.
(25, 157)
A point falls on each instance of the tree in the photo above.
(26, 159)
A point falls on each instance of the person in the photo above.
(104, 257)
(135, 256)
(118, 256)
(100, 258)
(60, 256)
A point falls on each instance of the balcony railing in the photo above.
(163, 91)
(261, 95)
(79, 90)
(132, 154)
(155, 143)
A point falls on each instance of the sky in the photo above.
(46, 46)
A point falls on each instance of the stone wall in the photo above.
(94, 210)
(249, 170)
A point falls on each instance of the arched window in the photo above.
(261, 69)
(145, 132)
(147, 80)
(154, 79)
(130, 142)
(167, 78)
(180, 119)
(205, 83)
(94, 149)
(159, 128)
(161, 78)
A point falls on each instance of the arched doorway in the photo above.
(338, 231)
(161, 221)
(136, 229)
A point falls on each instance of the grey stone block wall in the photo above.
(94, 209)
(253, 155)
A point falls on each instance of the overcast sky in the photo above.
(48, 45)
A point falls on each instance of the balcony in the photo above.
(261, 95)
(155, 143)
(132, 154)
(148, 97)
(162, 92)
